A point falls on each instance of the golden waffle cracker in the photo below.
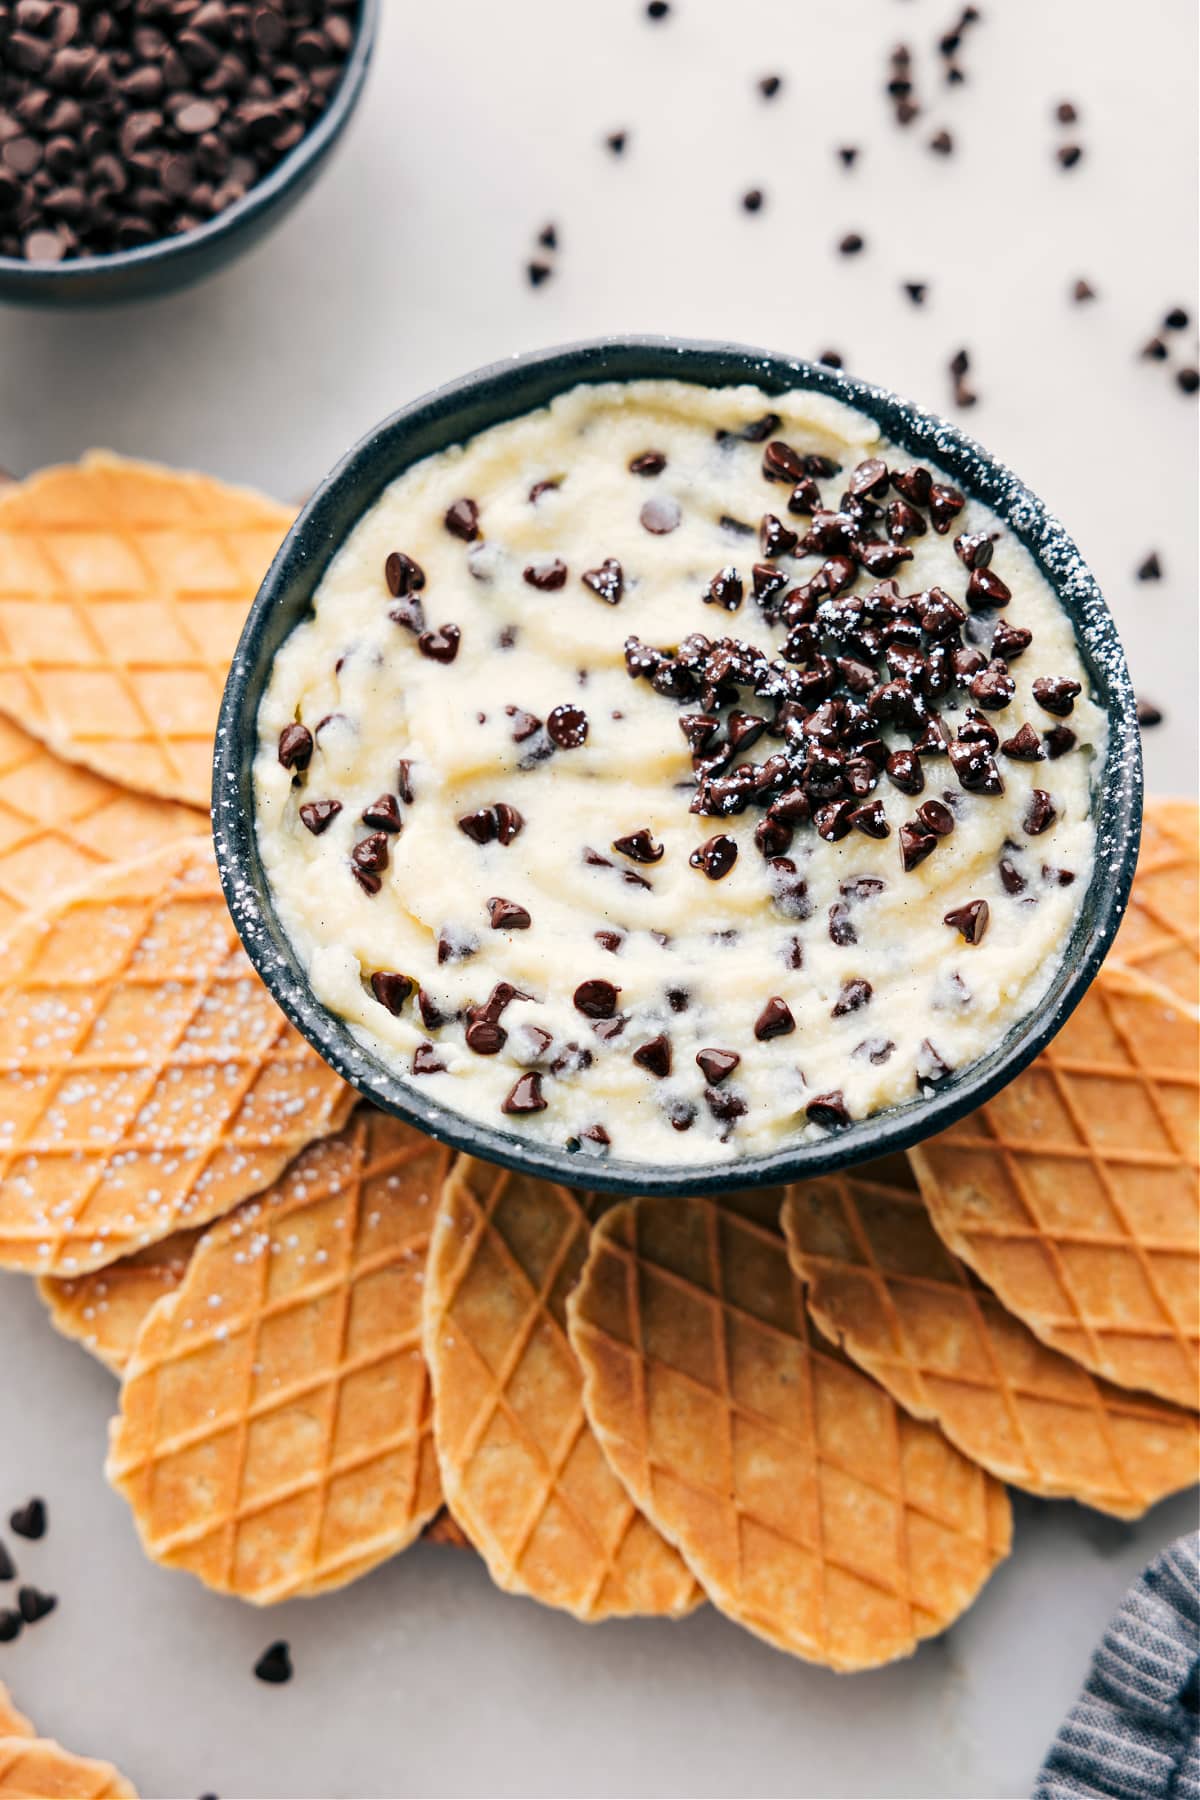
(1160, 934)
(520, 1466)
(1073, 1194)
(60, 824)
(12, 1723)
(35, 1768)
(811, 1508)
(123, 591)
(881, 1284)
(105, 1309)
(274, 1436)
(148, 1081)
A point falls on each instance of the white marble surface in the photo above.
(480, 123)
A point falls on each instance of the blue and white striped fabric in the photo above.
(1134, 1732)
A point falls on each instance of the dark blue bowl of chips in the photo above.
(504, 391)
(168, 263)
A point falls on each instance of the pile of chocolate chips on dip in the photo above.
(127, 123)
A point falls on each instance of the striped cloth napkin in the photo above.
(1134, 1732)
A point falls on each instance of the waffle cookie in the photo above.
(1160, 934)
(881, 1284)
(274, 1436)
(60, 824)
(123, 591)
(1072, 1193)
(105, 1309)
(520, 1466)
(12, 1723)
(811, 1508)
(36, 1768)
(148, 1081)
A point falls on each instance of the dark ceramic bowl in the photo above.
(504, 391)
(176, 262)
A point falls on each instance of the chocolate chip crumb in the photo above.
(275, 1663)
(34, 1604)
(30, 1520)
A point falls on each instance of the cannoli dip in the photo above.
(672, 773)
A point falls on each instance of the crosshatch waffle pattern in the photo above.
(881, 1284)
(812, 1509)
(38, 1766)
(523, 1473)
(12, 1723)
(60, 824)
(275, 1436)
(148, 1081)
(1160, 934)
(123, 590)
(105, 1309)
(1073, 1192)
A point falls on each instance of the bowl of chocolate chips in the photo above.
(144, 143)
(667, 766)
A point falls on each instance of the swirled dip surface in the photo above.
(674, 772)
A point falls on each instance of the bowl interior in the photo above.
(505, 391)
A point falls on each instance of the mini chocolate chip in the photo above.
(369, 883)
(1011, 878)
(725, 1106)
(1068, 155)
(853, 997)
(916, 291)
(752, 200)
(639, 846)
(409, 613)
(568, 727)
(546, 577)
(1058, 740)
(715, 1065)
(871, 820)
(31, 1520)
(371, 853)
(608, 581)
(828, 1110)
(905, 771)
(716, 856)
(1058, 877)
(524, 724)
(1056, 694)
(852, 243)
(1155, 350)
(10, 1624)
(432, 1016)
(945, 504)
(462, 520)
(655, 1055)
(391, 990)
(440, 645)
(549, 486)
(507, 915)
(976, 769)
(596, 999)
(383, 813)
(874, 1050)
(1150, 569)
(318, 815)
(782, 463)
(650, 462)
(1148, 714)
(1187, 380)
(775, 1020)
(275, 1664)
(841, 927)
(769, 86)
(936, 817)
(1009, 640)
(985, 590)
(915, 845)
(402, 574)
(931, 1065)
(486, 1037)
(1024, 745)
(942, 143)
(661, 515)
(295, 747)
(993, 687)
(776, 539)
(1040, 814)
(525, 1095)
(725, 589)
(1083, 290)
(8, 1569)
(970, 920)
(834, 821)
(426, 1061)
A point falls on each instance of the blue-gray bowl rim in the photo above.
(517, 385)
(79, 270)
